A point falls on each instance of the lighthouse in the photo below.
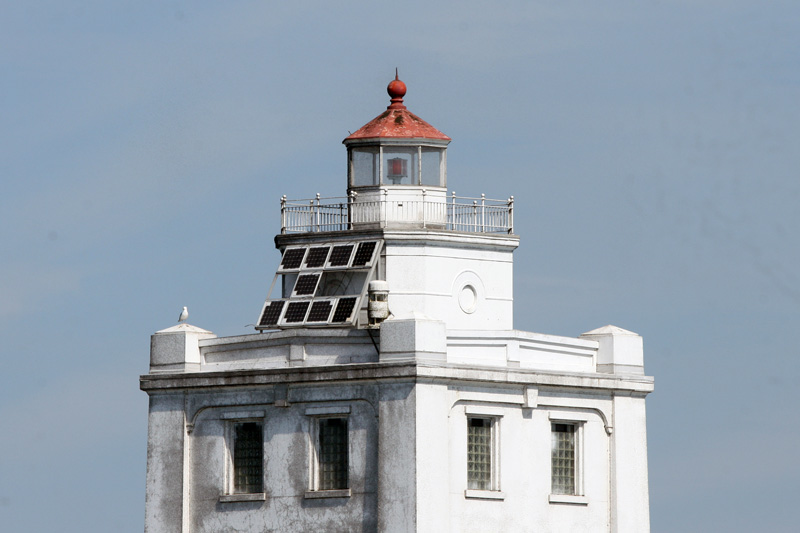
(385, 388)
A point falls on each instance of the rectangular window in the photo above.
(248, 458)
(329, 453)
(480, 456)
(563, 463)
(332, 454)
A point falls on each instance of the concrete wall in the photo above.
(630, 511)
(165, 488)
(522, 501)
(407, 428)
(465, 281)
(287, 461)
(397, 468)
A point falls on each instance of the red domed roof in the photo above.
(397, 121)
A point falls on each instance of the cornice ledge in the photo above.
(394, 371)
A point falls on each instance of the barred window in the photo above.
(563, 458)
(332, 454)
(479, 453)
(248, 458)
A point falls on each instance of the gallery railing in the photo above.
(453, 213)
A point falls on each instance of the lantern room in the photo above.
(397, 148)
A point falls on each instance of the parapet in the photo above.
(620, 351)
(177, 349)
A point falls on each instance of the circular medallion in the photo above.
(468, 299)
(468, 291)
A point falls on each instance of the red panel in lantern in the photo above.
(398, 167)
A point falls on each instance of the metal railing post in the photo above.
(311, 215)
(511, 214)
(424, 194)
(483, 213)
(384, 209)
(453, 213)
(283, 214)
(351, 199)
(316, 214)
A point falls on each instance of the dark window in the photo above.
(248, 458)
(563, 458)
(479, 453)
(333, 454)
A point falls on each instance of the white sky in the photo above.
(651, 146)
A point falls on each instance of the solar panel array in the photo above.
(323, 284)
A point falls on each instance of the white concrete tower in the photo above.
(385, 389)
(444, 257)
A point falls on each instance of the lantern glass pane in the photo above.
(400, 166)
(364, 166)
(432, 167)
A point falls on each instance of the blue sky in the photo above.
(651, 146)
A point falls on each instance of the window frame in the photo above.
(316, 415)
(494, 417)
(577, 421)
(232, 420)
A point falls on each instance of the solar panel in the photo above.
(321, 282)
(306, 284)
(364, 253)
(296, 311)
(271, 314)
(340, 256)
(293, 258)
(320, 311)
(344, 309)
(317, 256)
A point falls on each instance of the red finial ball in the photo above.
(396, 90)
